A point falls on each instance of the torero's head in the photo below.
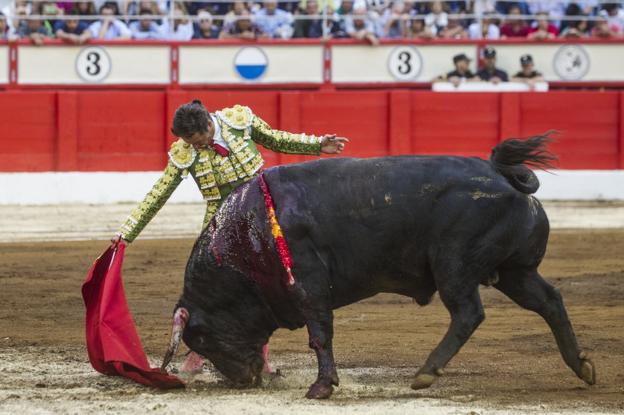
(193, 124)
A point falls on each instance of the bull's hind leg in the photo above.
(529, 290)
(464, 304)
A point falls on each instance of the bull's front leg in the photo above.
(321, 331)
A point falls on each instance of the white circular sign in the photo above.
(405, 63)
(251, 63)
(571, 62)
(93, 64)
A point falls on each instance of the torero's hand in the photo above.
(332, 144)
(118, 240)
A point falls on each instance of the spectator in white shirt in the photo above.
(437, 19)
(145, 28)
(181, 29)
(486, 30)
(614, 15)
(395, 21)
(274, 22)
(109, 27)
(360, 26)
(6, 32)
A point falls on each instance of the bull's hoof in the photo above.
(319, 391)
(423, 381)
(588, 372)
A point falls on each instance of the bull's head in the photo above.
(225, 320)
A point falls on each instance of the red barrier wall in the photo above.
(129, 130)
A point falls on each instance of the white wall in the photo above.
(59, 188)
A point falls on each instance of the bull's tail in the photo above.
(511, 157)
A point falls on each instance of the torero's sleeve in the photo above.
(180, 159)
(282, 141)
(211, 209)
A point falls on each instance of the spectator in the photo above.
(615, 17)
(551, 8)
(483, 7)
(462, 72)
(39, 10)
(72, 30)
(134, 7)
(602, 29)
(490, 72)
(84, 8)
(35, 30)
(180, 29)
(437, 19)
(346, 7)
(238, 7)
(6, 32)
(453, 30)
(587, 7)
(527, 74)
(109, 27)
(48, 9)
(515, 26)
(274, 22)
(243, 28)
(576, 29)
(145, 28)
(394, 21)
(543, 28)
(486, 30)
(360, 26)
(205, 28)
(416, 29)
(505, 7)
(310, 28)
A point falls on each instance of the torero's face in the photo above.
(201, 140)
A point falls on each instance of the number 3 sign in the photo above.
(93, 64)
(405, 63)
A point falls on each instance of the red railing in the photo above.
(50, 130)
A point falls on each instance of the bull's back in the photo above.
(378, 220)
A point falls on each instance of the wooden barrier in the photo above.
(128, 130)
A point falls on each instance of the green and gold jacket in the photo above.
(216, 175)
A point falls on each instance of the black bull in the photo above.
(357, 227)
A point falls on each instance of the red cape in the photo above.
(112, 341)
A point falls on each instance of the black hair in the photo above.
(189, 119)
(110, 5)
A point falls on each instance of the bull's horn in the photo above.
(180, 318)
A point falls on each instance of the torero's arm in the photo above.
(211, 209)
(151, 204)
(282, 141)
(181, 157)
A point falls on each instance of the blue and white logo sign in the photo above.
(251, 63)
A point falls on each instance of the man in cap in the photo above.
(461, 73)
(490, 72)
(527, 74)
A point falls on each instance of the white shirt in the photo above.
(217, 137)
(474, 31)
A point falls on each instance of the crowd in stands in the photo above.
(369, 20)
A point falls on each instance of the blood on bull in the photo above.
(409, 225)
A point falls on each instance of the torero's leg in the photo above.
(529, 290)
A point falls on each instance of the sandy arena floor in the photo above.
(511, 365)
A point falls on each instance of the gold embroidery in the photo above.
(182, 154)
